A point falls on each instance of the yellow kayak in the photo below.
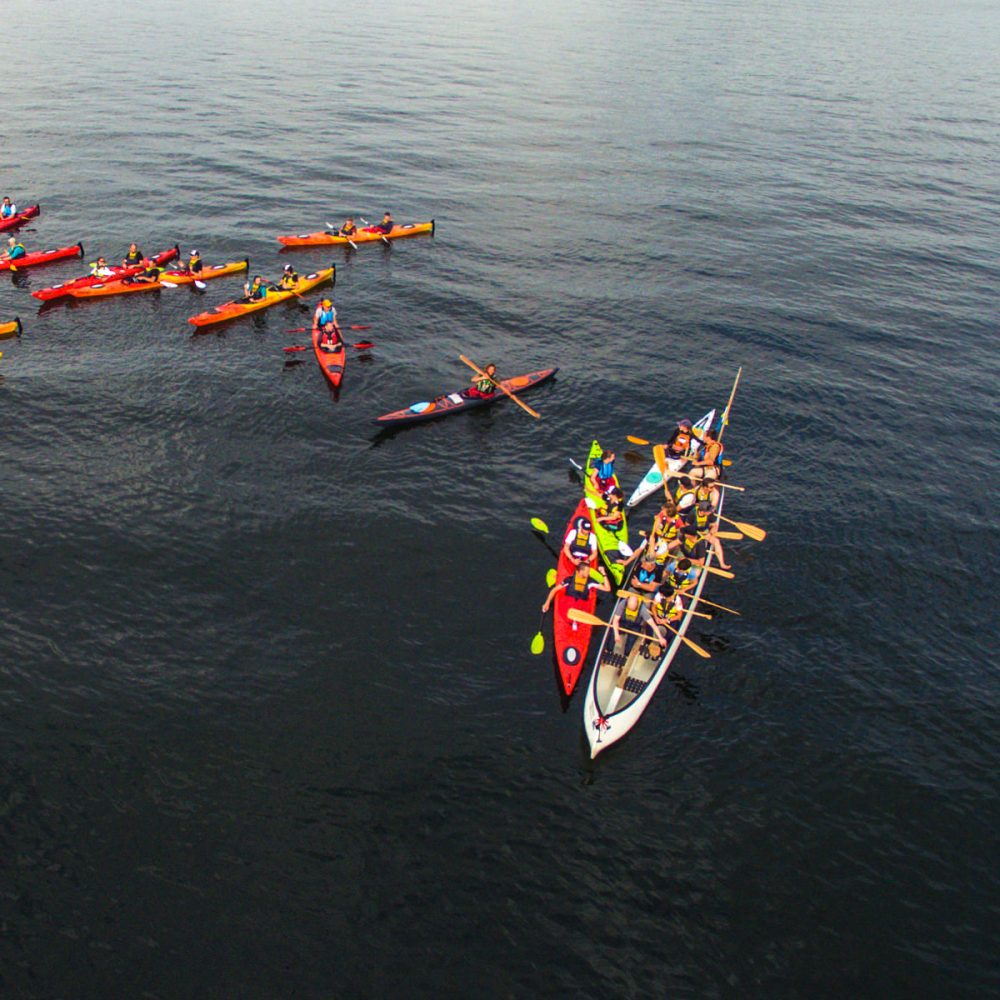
(11, 329)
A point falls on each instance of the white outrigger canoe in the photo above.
(653, 480)
(622, 685)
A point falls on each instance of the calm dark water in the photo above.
(271, 726)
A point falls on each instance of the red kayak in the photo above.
(57, 291)
(331, 363)
(19, 218)
(42, 257)
(571, 638)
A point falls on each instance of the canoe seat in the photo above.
(613, 660)
(635, 686)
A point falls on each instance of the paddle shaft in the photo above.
(502, 388)
(645, 597)
(729, 405)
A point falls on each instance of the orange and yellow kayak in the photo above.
(361, 236)
(207, 273)
(238, 308)
(11, 329)
(126, 286)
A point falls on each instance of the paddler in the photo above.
(679, 443)
(289, 279)
(648, 577)
(708, 462)
(325, 320)
(580, 543)
(667, 527)
(602, 475)
(255, 290)
(612, 518)
(134, 257)
(632, 613)
(100, 269)
(693, 546)
(385, 227)
(149, 274)
(194, 264)
(483, 387)
(667, 610)
(348, 229)
(15, 250)
(680, 576)
(579, 584)
(708, 526)
(7, 209)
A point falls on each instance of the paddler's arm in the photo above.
(552, 593)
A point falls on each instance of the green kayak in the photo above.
(607, 541)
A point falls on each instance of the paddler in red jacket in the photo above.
(385, 227)
(325, 320)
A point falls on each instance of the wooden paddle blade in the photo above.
(539, 525)
(584, 617)
(538, 643)
(751, 530)
(731, 535)
(725, 573)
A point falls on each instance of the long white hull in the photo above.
(618, 693)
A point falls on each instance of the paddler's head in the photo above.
(132, 248)
(490, 369)
(685, 424)
(684, 565)
(327, 303)
(607, 455)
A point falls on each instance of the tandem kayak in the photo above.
(571, 639)
(328, 238)
(237, 308)
(124, 286)
(331, 362)
(42, 257)
(607, 541)
(653, 480)
(11, 329)
(57, 291)
(19, 218)
(458, 402)
(206, 273)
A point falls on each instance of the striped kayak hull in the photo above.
(455, 402)
(327, 238)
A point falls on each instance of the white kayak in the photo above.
(653, 480)
(622, 685)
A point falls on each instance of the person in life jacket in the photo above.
(667, 612)
(483, 388)
(648, 576)
(15, 250)
(386, 226)
(194, 264)
(708, 526)
(8, 209)
(707, 490)
(633, 614)
(579, 585)
(149, 274)
(612, 518)
(100, 269)
(680, 576)
(134, 257)
(580, 543)
(667, 525)
(255, 290)
(289, 279)
(693, 546)
(348, 229)
(708, 461)
(325, 320)
(680, 441)
(602, 473)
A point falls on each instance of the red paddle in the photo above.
(362, 345)
(307, 329)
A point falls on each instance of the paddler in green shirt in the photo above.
(483, 388)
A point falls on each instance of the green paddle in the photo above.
(539, 525)
(538, 643)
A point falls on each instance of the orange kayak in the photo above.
(237, 308)
(11, 329)
(126, 286)
(361, 236)
(207, 273)
(331, 363)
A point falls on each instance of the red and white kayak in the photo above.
(571, 639)
(331, 362)
(42, 257)
(58, 291)
(19, 218)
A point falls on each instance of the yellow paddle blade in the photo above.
(750, 530)
(725, 573)
(550, 577)
(539, 525)
(538, 643)
(635, 440)
(584, 617)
